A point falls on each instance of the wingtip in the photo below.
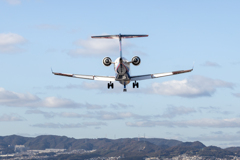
(193, 65)
(52, 71)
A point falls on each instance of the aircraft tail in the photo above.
(120, 38)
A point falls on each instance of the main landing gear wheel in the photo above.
(110, 85)
(135, 84)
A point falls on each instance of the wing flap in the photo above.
(141, 77)
(104, 78)
(83, 76)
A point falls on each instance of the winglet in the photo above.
(52, 71)
(193, 65)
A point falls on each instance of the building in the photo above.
(20, 148)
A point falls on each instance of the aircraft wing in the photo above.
(90, 77)
(158, 75)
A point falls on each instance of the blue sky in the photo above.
(37, 35)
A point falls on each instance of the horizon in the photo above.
(202, 105)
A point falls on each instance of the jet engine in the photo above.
(136, 61)
(107, 61)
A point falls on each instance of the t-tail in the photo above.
(120, 36)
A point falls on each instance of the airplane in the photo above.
(122, 67)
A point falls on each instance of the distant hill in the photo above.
(135, 148)
(197, 145)
(160, 141)
(233, 149)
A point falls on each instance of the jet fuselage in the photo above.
(122, 70)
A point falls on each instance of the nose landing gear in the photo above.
(110, 85)
(135, 84)
(124, 89)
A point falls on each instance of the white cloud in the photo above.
(13, 99)
(236, 95)
(195, 86)
(173, 111)
(11, 38)
(210, 64)
(54, 102)
(213, 123)
(13, 2)
(71, 125)
(9, 98)
(99, 47)
(12, 117)
(9, 43)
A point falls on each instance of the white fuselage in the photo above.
(122, 70)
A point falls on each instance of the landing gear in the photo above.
(135, 84)
(124, 89)
(110, 85)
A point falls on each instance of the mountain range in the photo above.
(129, 147)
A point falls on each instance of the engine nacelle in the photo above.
(136, 61)
(107, 61)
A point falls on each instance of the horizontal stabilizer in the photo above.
(117, 36)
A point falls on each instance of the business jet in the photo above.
(122, 68)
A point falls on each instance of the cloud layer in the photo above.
(213, 123)
(99, 115)
(71, 125)
(173, 111)
(13, 99)
(9, 118)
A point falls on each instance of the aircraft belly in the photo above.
(124, 82)
(123, 79)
